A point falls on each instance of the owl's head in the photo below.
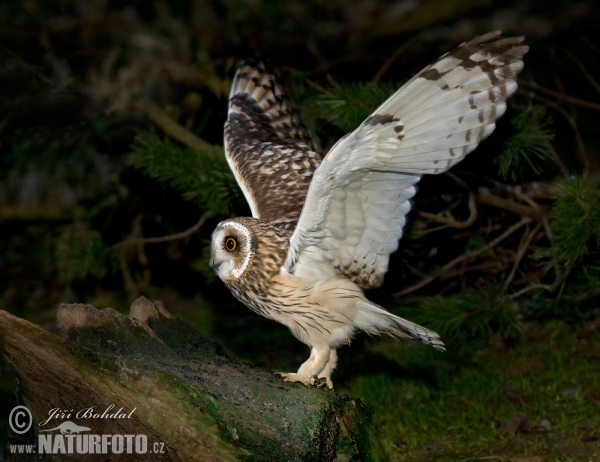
(231, 249)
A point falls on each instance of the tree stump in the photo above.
(151, 374)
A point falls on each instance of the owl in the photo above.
(323, 228)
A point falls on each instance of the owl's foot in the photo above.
(320, 382)
(316, 370)
(293, 377)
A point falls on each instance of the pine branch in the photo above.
(470, 315)
(202, 174)
(528, 146)
(346, 105)
(173, 129)
(574, 231)
(575, 223)
(81, 252)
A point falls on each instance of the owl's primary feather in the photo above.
(323, 230)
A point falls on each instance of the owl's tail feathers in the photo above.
(374, 320)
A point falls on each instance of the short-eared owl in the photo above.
(323, 228)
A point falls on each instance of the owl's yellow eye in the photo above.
(230, 244)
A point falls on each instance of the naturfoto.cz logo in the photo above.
(71, 438)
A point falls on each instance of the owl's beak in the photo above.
(214, 264)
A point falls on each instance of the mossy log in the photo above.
(184, 391)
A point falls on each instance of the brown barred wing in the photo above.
(268, 148)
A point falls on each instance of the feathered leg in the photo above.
(325, 374)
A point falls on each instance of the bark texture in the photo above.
(187, 393)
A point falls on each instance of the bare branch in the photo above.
(561, 97)
(520, 209)
(521, 253)
(170, 237)
(172, 128)
(493, 243)
(449, 221)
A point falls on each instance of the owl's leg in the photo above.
(312, 367)
(325, 374)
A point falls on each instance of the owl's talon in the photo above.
(322, 382)
(293, 377)
(283, 375)
(319, 382)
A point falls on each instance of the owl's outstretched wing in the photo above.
(360, 194)
(268, 147)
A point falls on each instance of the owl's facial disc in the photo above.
(230, 249)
